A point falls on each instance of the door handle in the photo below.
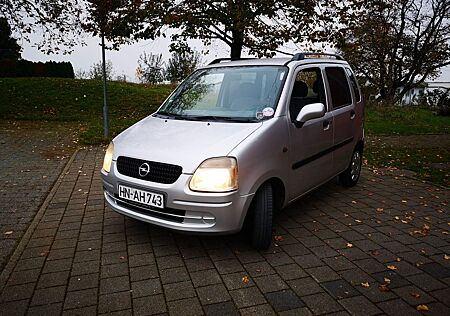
(352, 114)
(327, 124)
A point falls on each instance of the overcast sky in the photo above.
(125, 59)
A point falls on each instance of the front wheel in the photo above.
(350, 176)
(262, 217)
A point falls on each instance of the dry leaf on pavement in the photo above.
(392, 267)
(365, 284)
(245, 279)
(349, 245)
(8, 233)
(422, 307)
(415, 295)
(447, 257)
(279, 238)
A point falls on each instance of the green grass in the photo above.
(425, 162)
(404, 121)
(56, 99)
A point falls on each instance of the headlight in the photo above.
(215, 175)
(108, 157)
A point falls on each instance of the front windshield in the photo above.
(227, 93)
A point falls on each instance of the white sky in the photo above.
(125, 59)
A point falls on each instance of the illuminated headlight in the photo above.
(108, 157)
(215, 175)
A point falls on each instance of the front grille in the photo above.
(159, 172)
(169, 214)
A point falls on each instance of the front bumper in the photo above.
(185, 210)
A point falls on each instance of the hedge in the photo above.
(24, 68)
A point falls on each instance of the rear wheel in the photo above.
(350, 176)
(262, 217)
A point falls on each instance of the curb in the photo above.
(9, 267)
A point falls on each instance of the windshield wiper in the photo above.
(166, 115)
(220, 118)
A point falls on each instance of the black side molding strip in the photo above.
(303, 162)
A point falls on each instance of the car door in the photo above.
(311, 161)
(343, 110)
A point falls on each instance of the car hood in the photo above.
(180, 142)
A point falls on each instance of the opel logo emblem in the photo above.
(144, 169)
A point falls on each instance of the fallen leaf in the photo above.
(422, 307)
(349, 245)
(383, 287)
(415, 295)
(446, 257)
(375, 252)
(398, 259)
(380, 210)
(279, 238)
(397, 218)
(404, 222)
(358, 220)
(8, 233)
(245, 279)
(392, 267)
(404, 201)
(121, 257)
(386, 280)
(365, 284)
(353, 202)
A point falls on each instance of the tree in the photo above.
(399, 44)
(150, 68)
(57, 21)
(258, 25)
(9, 49)
(96, 70)
(181, 64)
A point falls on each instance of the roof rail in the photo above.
(219, 60)
(301, 56)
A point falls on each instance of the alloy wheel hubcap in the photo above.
(356, 166)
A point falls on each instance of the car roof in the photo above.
(226, 62)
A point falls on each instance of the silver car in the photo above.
(236, 141)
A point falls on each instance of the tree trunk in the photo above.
(237, 44)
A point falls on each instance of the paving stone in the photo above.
(291, 272)
(49, 309)
(146, 287)
(115, 301)
(212, 294)
(179, 307)
(323, 274)
(180, 290)
(221, 309)
(396, 280)
(53, 279)
(339, 263)
(174, 275)
(284, 300)
(247, 297)
(436, 270)
(151, 305)
(442, 295)
(205, 277)
(116, 284)
(228, 266)
(14, 307)
(199, 264)
(321, 303)
(308, 261)
(397, 307)
(426, 282)
(264, 309)
(81, 282)
(48, 296)
(81, 298)
(305, 286)
(359, 305)
(235, 281)
(340, 289)
(259, 268)
(270, 283)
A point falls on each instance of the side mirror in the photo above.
(309, 112)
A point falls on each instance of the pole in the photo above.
(105, 93)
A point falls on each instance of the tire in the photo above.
(350, 176)
(262, 217)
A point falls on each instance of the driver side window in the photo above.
(308, 89)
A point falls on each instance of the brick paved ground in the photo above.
(31, 157)
(85, 259)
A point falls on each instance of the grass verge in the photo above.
(404, 121)
(431, 164)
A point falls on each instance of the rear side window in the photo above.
(354, 83)
(340, 91)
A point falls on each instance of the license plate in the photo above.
(141, 196)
